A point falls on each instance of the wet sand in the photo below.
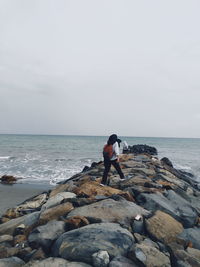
(12, 195)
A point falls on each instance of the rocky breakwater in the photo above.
(149, 219)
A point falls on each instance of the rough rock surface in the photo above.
(11, 262)
(148, 255)
(109, 210)
(56, 262)
(150, 219)
(82, 243)
(192, 235)
(120, 261)
(27, 220)
(100, 259)
(55, 212)
(163, 227)
(45, 235)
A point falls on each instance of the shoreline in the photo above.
(13, 195)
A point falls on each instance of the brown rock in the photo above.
(6, 252)
(149, 256)
(55, 212)
(6, 238)
(194, 252)
(166, 184)
(163, 227)
(12, 213)
(75, 222)
(4, 219)
(93, 188)
(135, 180)
(126, 157)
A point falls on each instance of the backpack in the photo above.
(107, 152)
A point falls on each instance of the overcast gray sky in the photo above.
(93, 67)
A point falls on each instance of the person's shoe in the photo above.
(102, 184)
(122, 179)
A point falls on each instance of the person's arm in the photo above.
(116, 150)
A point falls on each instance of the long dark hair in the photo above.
(112, 139)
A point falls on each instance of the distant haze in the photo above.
(92, 67)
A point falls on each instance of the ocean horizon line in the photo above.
(84, 135)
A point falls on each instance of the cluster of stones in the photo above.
(149, 219)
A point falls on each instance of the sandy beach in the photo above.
(12, 195)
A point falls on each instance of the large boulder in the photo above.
(100, 259)
(33, 203)
(11, 262)
(189, 215)
(120, 261)
(191, 235)
(62, 188)
(57, 199)
(55, 212)
(189, 257)
(163, 227)
(45, 235)
(81, 244)
(109, 210)
(28, 220)
(178, 208)
(28, 206)
(146, 254)
(7, 251)
(6, 238)
(55, 262)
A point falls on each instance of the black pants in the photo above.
(107, 165)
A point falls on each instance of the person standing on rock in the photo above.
(111, 157)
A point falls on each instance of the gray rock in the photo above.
(11, 262)
(188, 212)
(100, 259)
(44, 235)
(109, 210)
(172, 180)
(194, 252)
(27, 220)
(178, 208)
(148, 255)
(121, 261)
(55, 262)
(57, 199)
(6, 238)
(192, 235)
(33, 203)
(138, 226)
(82, 243)
(187, 258)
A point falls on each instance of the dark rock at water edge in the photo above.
(8, 179)
(139, 149)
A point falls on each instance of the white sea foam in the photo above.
(51, 159)
(4, 157)
(181, 167)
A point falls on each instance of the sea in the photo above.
(49, 159)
